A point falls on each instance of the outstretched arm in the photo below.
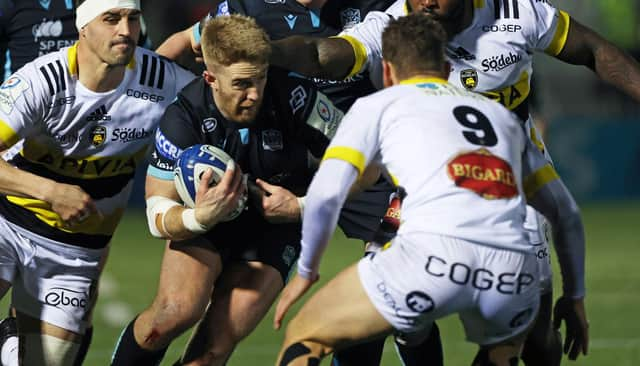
(613, 65)
(327, 58)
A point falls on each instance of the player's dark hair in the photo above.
(235, 38)
(414, 44)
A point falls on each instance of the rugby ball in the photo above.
(192, 163)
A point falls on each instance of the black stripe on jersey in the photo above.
(54, 73)
(46, 76)
(143, 72)
(152, 73)
(97, 188)
(156, 71)
(506, 7)
(28, 220)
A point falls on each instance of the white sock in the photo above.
(9, 352)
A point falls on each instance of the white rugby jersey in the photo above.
(492, 56)
(73, 135)
(450, 149)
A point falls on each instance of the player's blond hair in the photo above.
(414, 44)
(234, 38)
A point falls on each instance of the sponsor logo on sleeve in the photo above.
(10, 91)
(165, 147)
(298, 98)
(483, 173)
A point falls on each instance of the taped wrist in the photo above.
(157, 208)
(191, 223)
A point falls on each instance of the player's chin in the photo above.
(122, 57)
(246, 115)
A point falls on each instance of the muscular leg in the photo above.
(543, 346)
(187, 276)
(243, 295)
(350, 320)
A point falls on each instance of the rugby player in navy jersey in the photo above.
(229, 273)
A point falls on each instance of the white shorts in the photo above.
(52, 281)
(423, 277)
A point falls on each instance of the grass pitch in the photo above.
(613, 293)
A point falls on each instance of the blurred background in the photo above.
(593, 133)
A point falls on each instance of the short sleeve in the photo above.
(366, 40)
(549, 27)
(21, 105)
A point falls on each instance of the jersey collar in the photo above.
(72, 55)
(421, 80)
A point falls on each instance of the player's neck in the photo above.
(96, 75)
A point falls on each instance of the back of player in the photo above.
(466, 152)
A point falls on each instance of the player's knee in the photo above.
(44, 349)
(176, 313)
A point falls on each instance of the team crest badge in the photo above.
(350, 17)
(272, 140)
(469, 78)
(98, 135)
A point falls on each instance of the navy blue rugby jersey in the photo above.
(294, 122)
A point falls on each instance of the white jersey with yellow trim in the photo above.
(469, 152)
(73, 135)
(492, 56)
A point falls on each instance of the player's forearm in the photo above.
(324, 199)
(618, 68)
(17, 182)
(327, 58)
(177, 45)
(556, 203)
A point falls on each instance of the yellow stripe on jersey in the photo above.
(478, 4)
(536, 139)
(359, 52)
(7, 135)
(560, 37)
(534, 182)
(94, 224)
(348, 154)
(432, 80)
(72, 55)
(513, 95)
(90, 167)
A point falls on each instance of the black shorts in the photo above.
(251, 238)
(361, 214)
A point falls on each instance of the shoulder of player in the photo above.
(518, 11)
(158, 72)
(48, 74)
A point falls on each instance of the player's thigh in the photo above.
(188, 271)
(338, 314)
(243, 294)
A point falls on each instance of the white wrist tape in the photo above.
(191, 223)
(301, 202)
(90, 9)
(158, 205)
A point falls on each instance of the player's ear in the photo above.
(209, 77)
(388, 75)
